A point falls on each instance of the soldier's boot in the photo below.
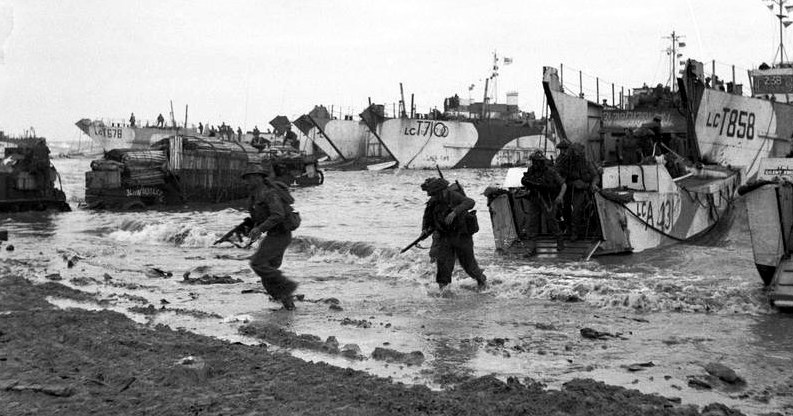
(481, 282)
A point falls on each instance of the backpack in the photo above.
(470, 223)
(292, 220)
(467, 223)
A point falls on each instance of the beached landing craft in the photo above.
(727, 127)
(183, 169)
(650, 197)
(769, 208)
(466, 134)
(120, 134)
(350, 143)
(639, 207)
(27, 177)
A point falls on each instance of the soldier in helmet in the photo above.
(546, 190)
(269, 206)
(445, 215)
(581, 179)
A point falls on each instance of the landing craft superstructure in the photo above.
(734, 129)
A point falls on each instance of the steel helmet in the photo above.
(254, 170)
(433, 185)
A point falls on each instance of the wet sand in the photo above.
(74, 361)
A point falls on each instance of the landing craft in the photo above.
(27, 177)
(466, 134)
(348, 143)
(110, 134)
(657, 187)
(183, 169)
(769, 209)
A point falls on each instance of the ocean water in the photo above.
(679, 308)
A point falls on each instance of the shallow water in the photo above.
(680, 307)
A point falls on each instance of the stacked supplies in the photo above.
(144, 168)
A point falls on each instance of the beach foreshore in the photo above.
(75, 361)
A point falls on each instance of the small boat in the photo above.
(769, 209)
(27, 176)
(382, 166)
(184, 169)
(639, 207)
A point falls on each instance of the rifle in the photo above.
(459, 187)
(421, 238)
(243, 229)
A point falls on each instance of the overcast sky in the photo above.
(244, 62)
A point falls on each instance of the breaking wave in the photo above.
(351, 251)
(646, 292)
(184, 234)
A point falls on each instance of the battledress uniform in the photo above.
(453, 242)
(580, 176)
(268, 208)
(543, 183)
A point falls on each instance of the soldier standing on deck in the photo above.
(270, 209)
(581, 178)
(445, 214)
(546, 190)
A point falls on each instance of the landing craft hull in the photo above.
(641, 207)
(740, 131)
(425, 144)
(674, 211)
(769, 210)
(116, 135)
(342, 139)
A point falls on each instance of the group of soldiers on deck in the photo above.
(559, 195)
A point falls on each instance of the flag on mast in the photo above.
(507, 61)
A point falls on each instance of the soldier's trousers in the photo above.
(266, 261)
(579, 215)
(537, 213)
(456, 247)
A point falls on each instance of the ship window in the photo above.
(635, 178)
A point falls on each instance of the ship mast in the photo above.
(783, 23)
(674, 54)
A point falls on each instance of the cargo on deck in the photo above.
(184, 169)
(27, 177)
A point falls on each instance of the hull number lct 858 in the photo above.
(732, 123)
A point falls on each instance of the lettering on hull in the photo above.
(661, 215)
(427, 129)
(108, 132)
(732, 122)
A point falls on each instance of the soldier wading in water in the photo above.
(272, 215)
(445, 215)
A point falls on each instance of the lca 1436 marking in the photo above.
(428, 128)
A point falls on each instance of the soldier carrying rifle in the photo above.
(447, 214)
